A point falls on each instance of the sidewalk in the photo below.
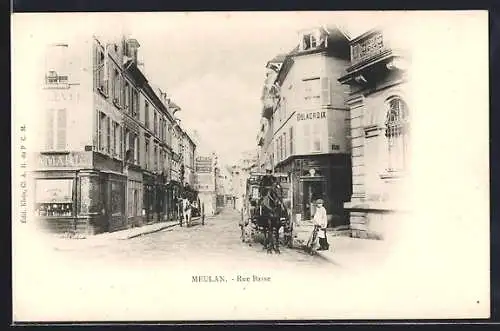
(344, 250)
(105, 238)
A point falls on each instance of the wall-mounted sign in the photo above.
(367, 47)
(63, 95)
(311, 115)
(73, 159)
(203, 164)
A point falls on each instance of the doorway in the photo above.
(312, 190)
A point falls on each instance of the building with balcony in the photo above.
(305, 126)
(105, 149)
(380, 132)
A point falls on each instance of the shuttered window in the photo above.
(101, 132)
(325, 91)
(108, 135)
(55, 130)
(61, 129)
(291, 140)
(312, 91)
(49, 133)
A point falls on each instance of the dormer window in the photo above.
(311, 40)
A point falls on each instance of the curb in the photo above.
(149, 231)
(155, 230)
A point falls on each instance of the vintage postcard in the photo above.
(209, 166)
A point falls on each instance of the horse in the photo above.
(271, 211)
(186, 212)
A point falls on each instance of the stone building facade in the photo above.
(380, 133)
(306, 134)
(104, 156)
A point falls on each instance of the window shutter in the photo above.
(325, 91)
(61, 129)
(49, 142)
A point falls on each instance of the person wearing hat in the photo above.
(320, 221)
(267, 181)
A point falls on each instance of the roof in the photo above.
(277, 59)
(173, 104)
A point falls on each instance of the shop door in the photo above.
(313, 190)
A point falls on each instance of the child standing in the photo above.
(320, 221)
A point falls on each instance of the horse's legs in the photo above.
(270, 245)
(277, 233)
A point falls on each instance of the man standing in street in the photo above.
(320, 221)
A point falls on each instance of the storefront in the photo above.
(70, 196)
(315, 177)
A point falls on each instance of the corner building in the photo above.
(307, 124)
(380, 133)
(104, 141)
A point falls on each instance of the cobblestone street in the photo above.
(217, 242)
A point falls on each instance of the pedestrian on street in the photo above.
(320, 221)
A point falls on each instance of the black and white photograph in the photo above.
(239, 166)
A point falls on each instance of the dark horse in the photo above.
(271, 211)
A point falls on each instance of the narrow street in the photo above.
(216, 242)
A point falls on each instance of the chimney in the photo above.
(132, 47)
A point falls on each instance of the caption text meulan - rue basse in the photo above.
(225, 279)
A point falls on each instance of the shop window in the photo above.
(54, 197)
(396, 132)
(117, 197)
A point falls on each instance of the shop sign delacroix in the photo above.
(311, 115)
(66, 160)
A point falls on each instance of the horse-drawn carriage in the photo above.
(190, 206)
(266, 211)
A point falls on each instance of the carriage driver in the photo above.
(267, 181)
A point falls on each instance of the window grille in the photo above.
(396, 132)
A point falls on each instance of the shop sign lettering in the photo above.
(63, 95)
(368, 47)
(64, 160)
(311, 115)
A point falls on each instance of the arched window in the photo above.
(397, 133)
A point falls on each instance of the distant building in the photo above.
(206, 173)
